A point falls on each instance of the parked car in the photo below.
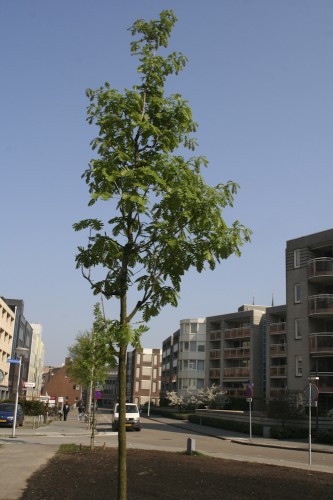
(7, 414)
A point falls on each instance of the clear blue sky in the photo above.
(260, 83)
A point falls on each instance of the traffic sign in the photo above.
(98, 394)
(30, 385)
(311, 392)
(249, 391)
(13, 361)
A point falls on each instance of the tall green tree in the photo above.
(163, 218)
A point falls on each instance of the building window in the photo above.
(297, 258)
(200, 383)
(298, 332)
(200, 365)
(201, 348)
(297, 292)
(298, 360)
(194, 328)
(193, 346)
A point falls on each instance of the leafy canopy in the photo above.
(164, 218)
(93, 353)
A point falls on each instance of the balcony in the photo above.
(215, 335)
(278, 371)
(321, 343)
(235, 393)
(278, 350)
(214, 374)
(237, 353)
(237, 333)
(321, 306)
(278, 328)
(240, 372)
(321, 270)
(215, 354)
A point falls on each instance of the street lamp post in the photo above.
(312, 396)
(20, 351)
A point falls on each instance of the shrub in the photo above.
(232, 425)
(287, 432)
(33, 407)
(325, 437)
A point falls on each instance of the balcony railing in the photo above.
(215, 335)
(278, 350)
(215, 354)
(278, 371)
(236, 372)
(321, 269)
(235, 393)
(238, 352)
(321, 343)
(276, 328)
(237, 333)
(321, 305)
(214, 374)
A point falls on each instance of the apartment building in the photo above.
(309, 318)
(191, 359)
(7, 322)
(275, 384)
(169, 374)
(235, 350)
(33, 384)
(143, 376)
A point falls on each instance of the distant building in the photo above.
(110, 389)
(56, 384)
(143, 376)
(7, 323)
(33, 386)
(22, 338)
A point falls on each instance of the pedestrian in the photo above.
(66, 410)
(80, 410)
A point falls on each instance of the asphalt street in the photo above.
(21, 456)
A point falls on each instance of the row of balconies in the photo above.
(231, 333)
(238, 372)
(232, 353)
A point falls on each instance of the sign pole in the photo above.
(310, 405)
(250, 404)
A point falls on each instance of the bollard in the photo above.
(190, 446)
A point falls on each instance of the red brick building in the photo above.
(57, 384)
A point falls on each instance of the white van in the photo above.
(132, 417)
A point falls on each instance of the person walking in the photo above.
(81, 411)
(66, 410)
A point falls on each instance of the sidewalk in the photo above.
(19, 458)
(244, 439)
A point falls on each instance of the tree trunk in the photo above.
(122, 472)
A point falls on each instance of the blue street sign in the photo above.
(13, 361)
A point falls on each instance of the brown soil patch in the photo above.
(159, 475)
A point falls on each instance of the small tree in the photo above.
(92, 354)
(164, 218)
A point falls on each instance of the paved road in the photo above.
(23, 455)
